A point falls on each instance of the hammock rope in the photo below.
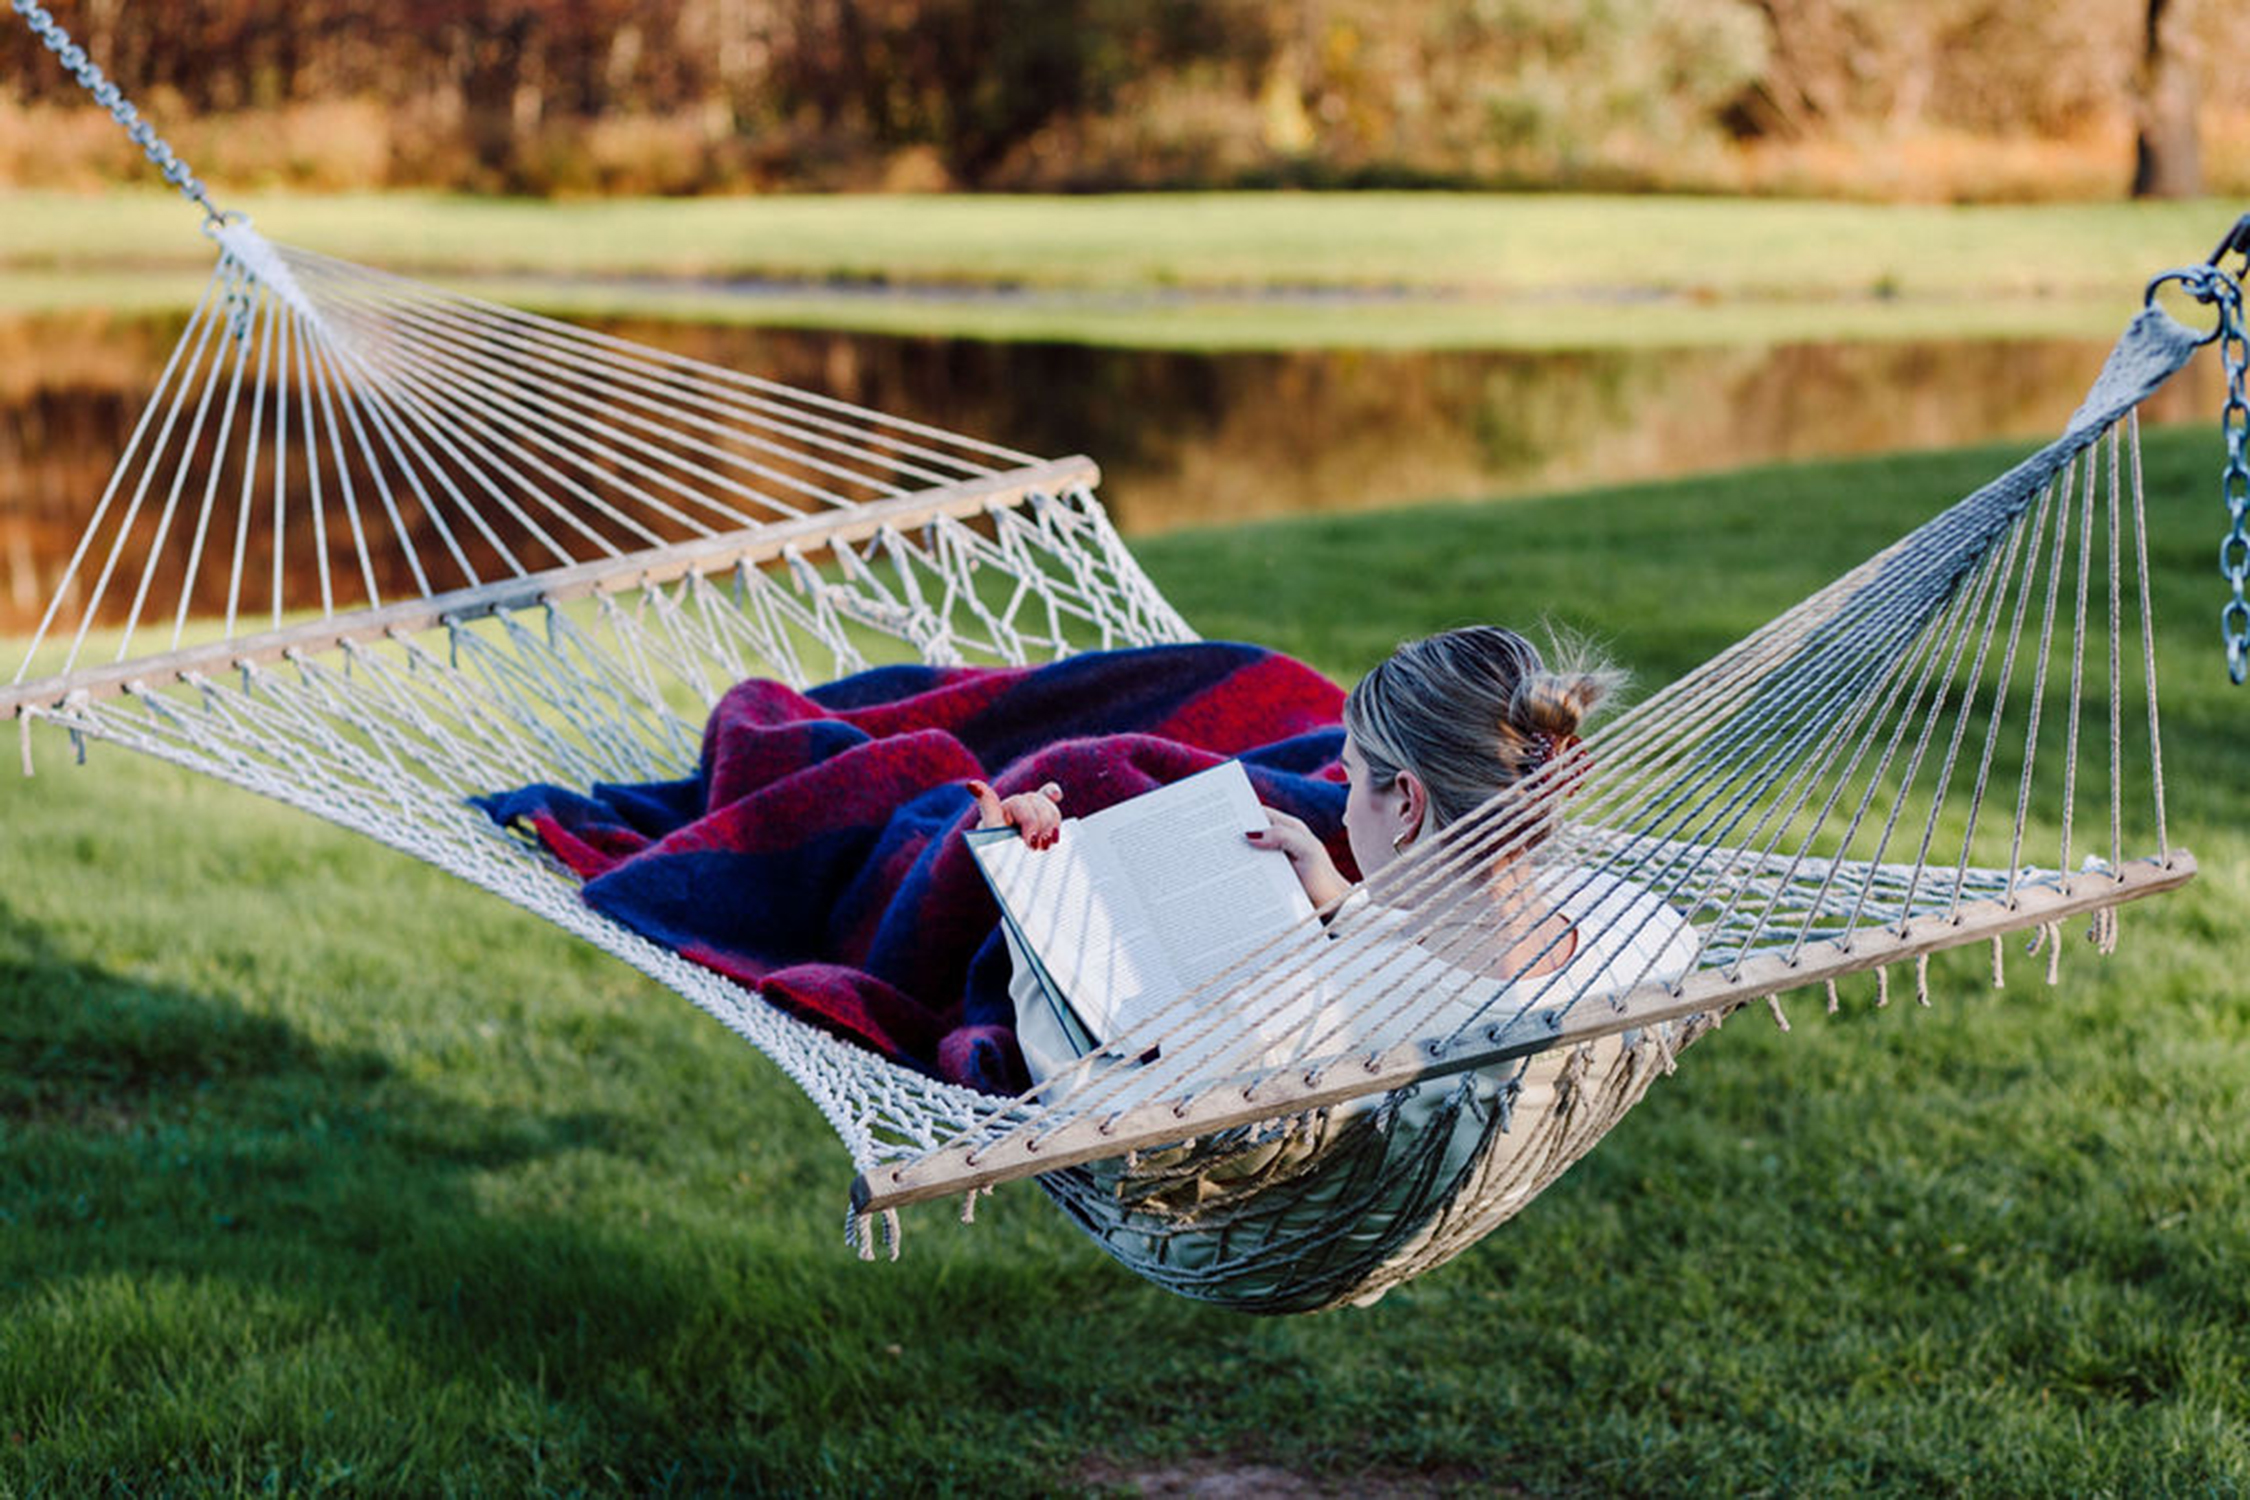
(400, 546)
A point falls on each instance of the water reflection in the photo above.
(1188, 439)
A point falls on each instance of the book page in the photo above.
(1094, 950)
(1205, 897)
(1145, 900)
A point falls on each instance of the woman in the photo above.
(1358, 1198)
(813, 854)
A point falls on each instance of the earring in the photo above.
(1398, 842)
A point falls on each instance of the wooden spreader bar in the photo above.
(957, 1168)
(656, 565)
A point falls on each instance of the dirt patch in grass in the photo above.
(1223, 1478)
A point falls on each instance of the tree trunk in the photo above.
(2168, 155)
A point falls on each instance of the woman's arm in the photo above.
(1323, 882)
(1033, 814)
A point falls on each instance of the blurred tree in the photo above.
(1507, 89)
(973, 78)
(1563, 81)
(2167, 146)
(689, 95)
(2007, 67)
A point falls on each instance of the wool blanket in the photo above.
(815, 854)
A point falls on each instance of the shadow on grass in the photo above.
(149, 1132)
(228, 1249)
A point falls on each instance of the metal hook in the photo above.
(2237, 240)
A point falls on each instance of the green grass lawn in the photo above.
(320, 1172)
(1212, 271)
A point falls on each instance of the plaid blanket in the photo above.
(813, 854)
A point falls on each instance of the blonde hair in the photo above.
(1471, 712)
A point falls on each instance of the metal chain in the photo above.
(107, 95)
(2234, 552)
(2234, 353)
(2221, 290)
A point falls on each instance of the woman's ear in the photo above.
(1414, 804)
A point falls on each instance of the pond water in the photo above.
(1196, 439)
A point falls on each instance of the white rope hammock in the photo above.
(450, 547)
(375, 547)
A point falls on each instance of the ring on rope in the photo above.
(2207, 285)
(220, 219)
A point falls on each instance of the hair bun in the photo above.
(1556, 705)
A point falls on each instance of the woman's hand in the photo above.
(1033, 814)
(1323, 882)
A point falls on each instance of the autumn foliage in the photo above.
(1875, 98)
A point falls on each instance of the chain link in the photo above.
(121, 109)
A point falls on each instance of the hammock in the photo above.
(375, 548)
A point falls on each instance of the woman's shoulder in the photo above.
(1590, 890)
(1617, 916)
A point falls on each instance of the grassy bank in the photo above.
(320, 1172)
(1190, 270)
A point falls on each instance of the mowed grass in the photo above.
(1188, 270)
(322, 1173)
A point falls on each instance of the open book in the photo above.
(1142, 902)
